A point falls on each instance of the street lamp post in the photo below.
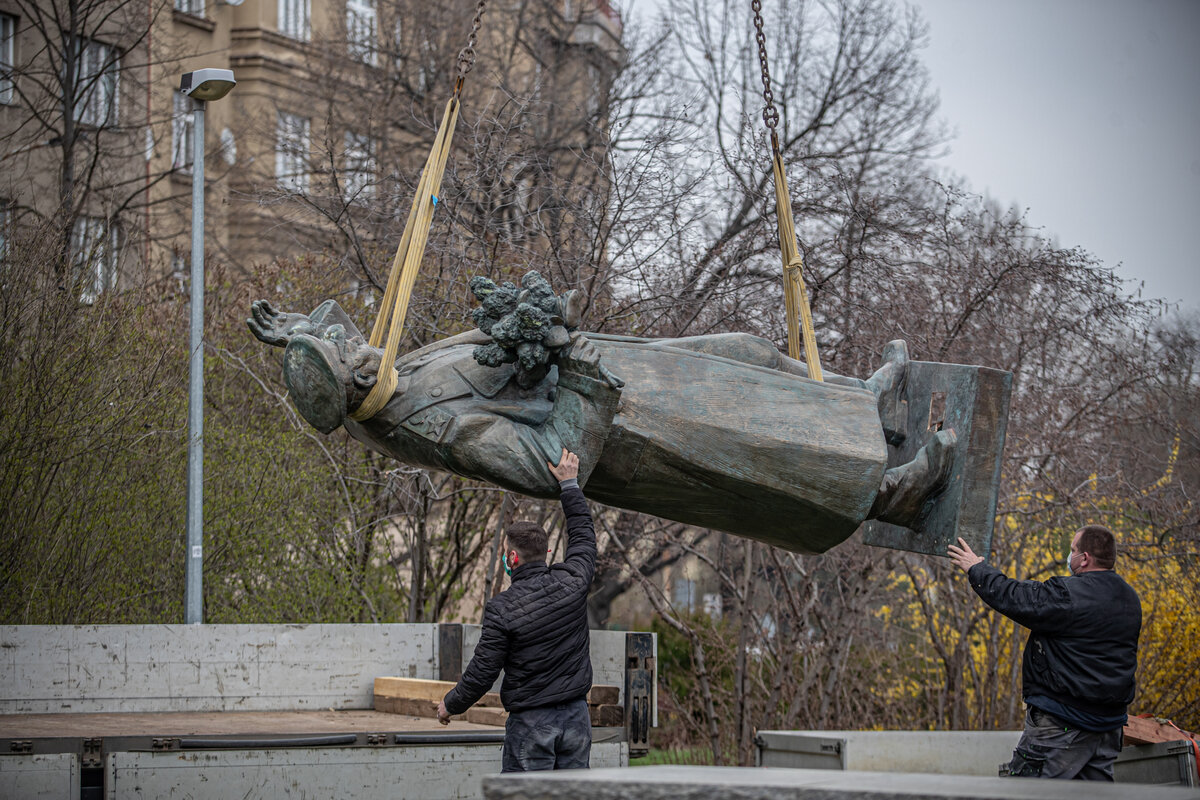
(201, 85)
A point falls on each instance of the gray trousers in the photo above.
(1050, 748)
(551, 737)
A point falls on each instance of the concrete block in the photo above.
(940, 752)
(446, 772)
(749, 783)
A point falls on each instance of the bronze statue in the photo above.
(719, 431)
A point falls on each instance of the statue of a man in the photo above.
(718, 431)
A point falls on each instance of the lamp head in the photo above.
(207, 84)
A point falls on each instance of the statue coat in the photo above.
(694, 435)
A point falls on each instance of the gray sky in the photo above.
(1087, 113)
(1084, 112)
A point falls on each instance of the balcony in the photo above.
(597, 23)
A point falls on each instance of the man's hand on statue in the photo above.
(567, 467)
(442, 714)
(275, 327)
(963, 556)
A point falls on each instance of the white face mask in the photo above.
(1071, 563)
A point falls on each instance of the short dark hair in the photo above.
(1098, 542)
(529, 540)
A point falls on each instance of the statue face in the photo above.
(329, 376)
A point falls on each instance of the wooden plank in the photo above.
(607, 716)
(404, 705)
(1148, 730)
(604, 695)
(412, 688)
(486, 716)
(424, 690)
(420, 698)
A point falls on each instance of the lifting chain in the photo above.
(466, 56)
(770, 113)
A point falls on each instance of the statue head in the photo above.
(328, 377)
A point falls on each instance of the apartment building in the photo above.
(319, 145)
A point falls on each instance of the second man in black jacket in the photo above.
(537, 632)
(1079, 664)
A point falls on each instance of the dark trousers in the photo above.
(1049, 748)
(551, 737)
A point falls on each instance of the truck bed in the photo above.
(223, 723)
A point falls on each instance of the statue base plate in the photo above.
(973, 402)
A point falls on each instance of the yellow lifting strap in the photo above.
(795, 296)
(406, 264)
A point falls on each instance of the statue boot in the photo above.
(905, 489)
(888, 384)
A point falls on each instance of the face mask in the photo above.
(1071, 564)
(507, 568)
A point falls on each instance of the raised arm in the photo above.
(1038, 606)
(1044, 607)
(581, 533)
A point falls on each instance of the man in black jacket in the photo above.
(1078, 669)
(537, 632)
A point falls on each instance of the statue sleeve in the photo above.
(511, 454)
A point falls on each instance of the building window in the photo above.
(96, 86)
(712, 605)
(291, 151)
(427, 66)
(180, 270)
(358, 176)
(193, 7)
(683, 598)
(8, 56)
(360, 30)
(183, 126)
(293, 19)
(94, 255)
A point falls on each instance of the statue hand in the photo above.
(582, 357)
(275, 327)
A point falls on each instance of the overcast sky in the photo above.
(1084, 112)
(1087, 113)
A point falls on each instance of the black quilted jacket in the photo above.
(537, 629)
(1082, 649)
